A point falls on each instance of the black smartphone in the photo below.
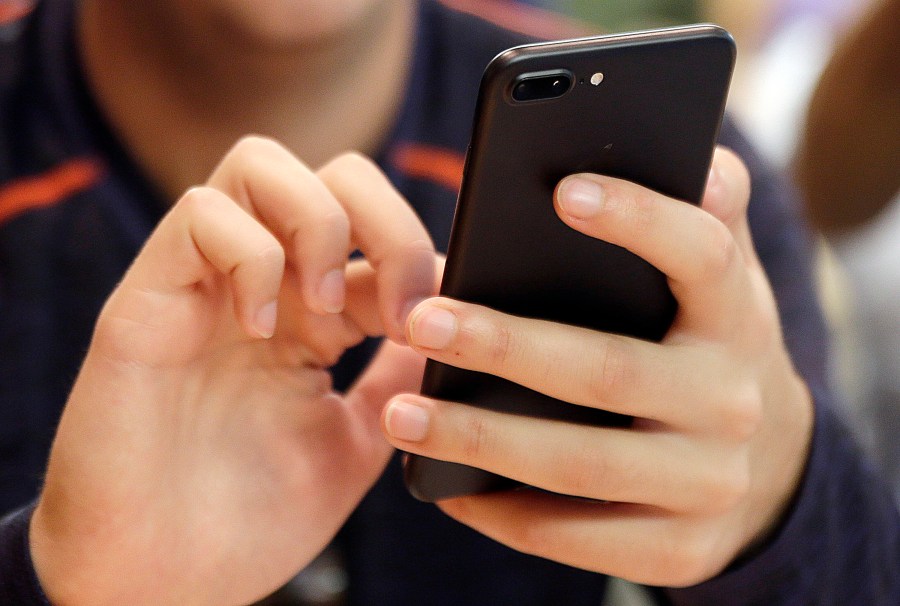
(646, 107)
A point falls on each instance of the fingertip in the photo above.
(725, 153)
(265, 319)
(728, 186)
(731, 168)
(580, 196)
(331, 292)
(431, 327)
(406, 419)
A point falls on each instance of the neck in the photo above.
(179, 97)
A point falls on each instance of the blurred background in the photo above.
(623, 15)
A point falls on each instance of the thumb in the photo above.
(395, 369)
(728, 195)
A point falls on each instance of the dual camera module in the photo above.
(547, 85)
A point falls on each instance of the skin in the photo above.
(181, 81)
(722, 424)
(202, 436)
(196, 443)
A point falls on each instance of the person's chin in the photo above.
(290, 23)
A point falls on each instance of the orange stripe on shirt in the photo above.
(440, 165)
(48, 188)
(522, 18)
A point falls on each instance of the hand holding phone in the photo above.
(643, 107)
(721, 419)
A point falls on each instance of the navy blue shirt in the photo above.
(75, 208)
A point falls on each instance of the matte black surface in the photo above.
(654, 120)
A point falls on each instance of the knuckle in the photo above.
(352, 162)
(336, 223)
(578, 478)
(475, 438)
(501, 345)
(743, 414)
(270, 255)
(200, 207)
(722, 251)
(610, 374)
(642, 214)
(251, 147)
(355, 158)
(197, 200)
(250, 155)
(592, 477)
(726, 487)
(682, 560)
(320, 228)
(323, 225)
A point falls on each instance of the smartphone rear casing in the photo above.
(653, 119)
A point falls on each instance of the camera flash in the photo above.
(596, 79)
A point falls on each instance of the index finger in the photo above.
(389, 234)
(274, 186)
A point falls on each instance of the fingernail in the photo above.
(264, 321)
(433, 328)
(331, 291)
(580, 198)
(406, 421)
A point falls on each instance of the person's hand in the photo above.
(722, 420)
(202, 457)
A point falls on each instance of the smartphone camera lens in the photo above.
(540, 87)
